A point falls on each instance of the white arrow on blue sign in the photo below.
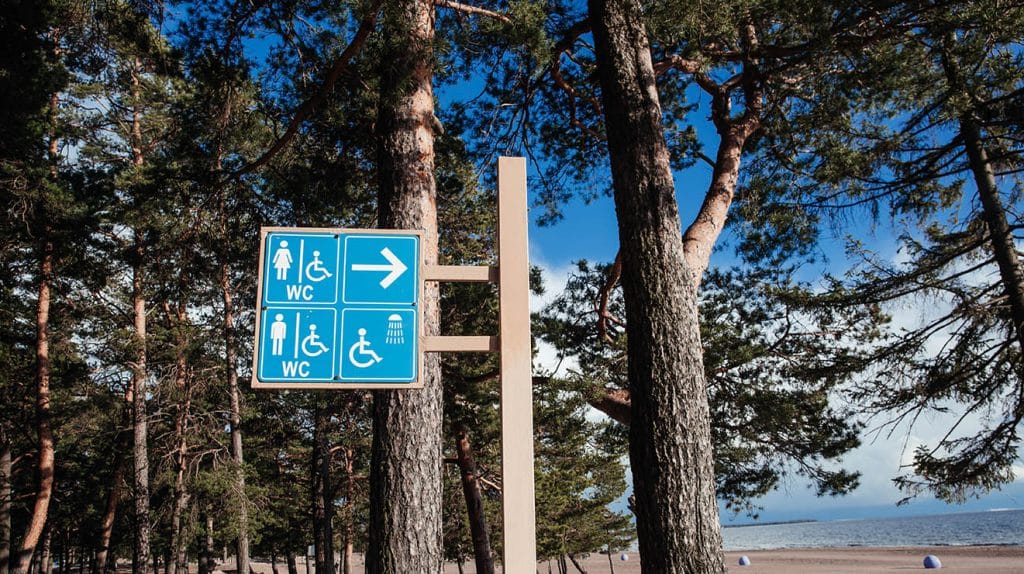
(338, 309)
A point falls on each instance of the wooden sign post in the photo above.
(512, 275)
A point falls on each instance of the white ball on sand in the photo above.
(932, 561)
(744, 561)
(623, 556)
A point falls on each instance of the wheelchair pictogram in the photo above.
(362, 348)
(312, 341)
(315, 270)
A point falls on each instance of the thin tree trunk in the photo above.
(293, 568)
(405, 494)
(140, 449)
(46, 554)
(178, 547)
(349, 517)
(468, 471)
(1001, 236)
(6, 492)
(231, 350)
(208, 542)
(107, 525)
(273, 563)
(670, 433)
(64, 559)
(323, 503)
(45, 465)
(611, 563)
(572, 558)
(231, 358)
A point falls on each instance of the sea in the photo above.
(997, 527)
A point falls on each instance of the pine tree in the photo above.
(921, 130)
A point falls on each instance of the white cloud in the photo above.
(555, 279)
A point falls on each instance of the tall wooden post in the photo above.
(516, 369)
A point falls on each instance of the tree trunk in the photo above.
(64, 559)
(231, 358)
(669, 434)
(405, 494)
(474, 503)
(323, 499)
(208, 543)
(45, 465)
(178, 547)
(46, 554)
(293, 568)
(350, 491)
(113, 499)
(572, 558)
(6, 493)
(611, 563)
(140, 449)
(1001, 236)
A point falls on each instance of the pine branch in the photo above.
(310, 105)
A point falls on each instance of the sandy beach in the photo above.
(972, 559)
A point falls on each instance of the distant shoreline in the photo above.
(772, 523)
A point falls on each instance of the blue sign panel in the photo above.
(301, 268)
(298, 344)
(379, 345)
(338, 306)
(375, 271)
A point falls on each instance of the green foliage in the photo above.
(773, 362)
(885, 138)
(579, 474)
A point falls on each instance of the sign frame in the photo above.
(339, 385)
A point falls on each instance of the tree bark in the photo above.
(6, 492)
(670, 433)
(700, 236)
(140, 449)
(208, 542)
(572, 558)
(231, 358)
(1000, 233)
(468, 471)
(405, 494)
(45, 464)
(178, 547)
(293, 568)
(323, 499)
(349, 527)
(107, 525)
(46, 553)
